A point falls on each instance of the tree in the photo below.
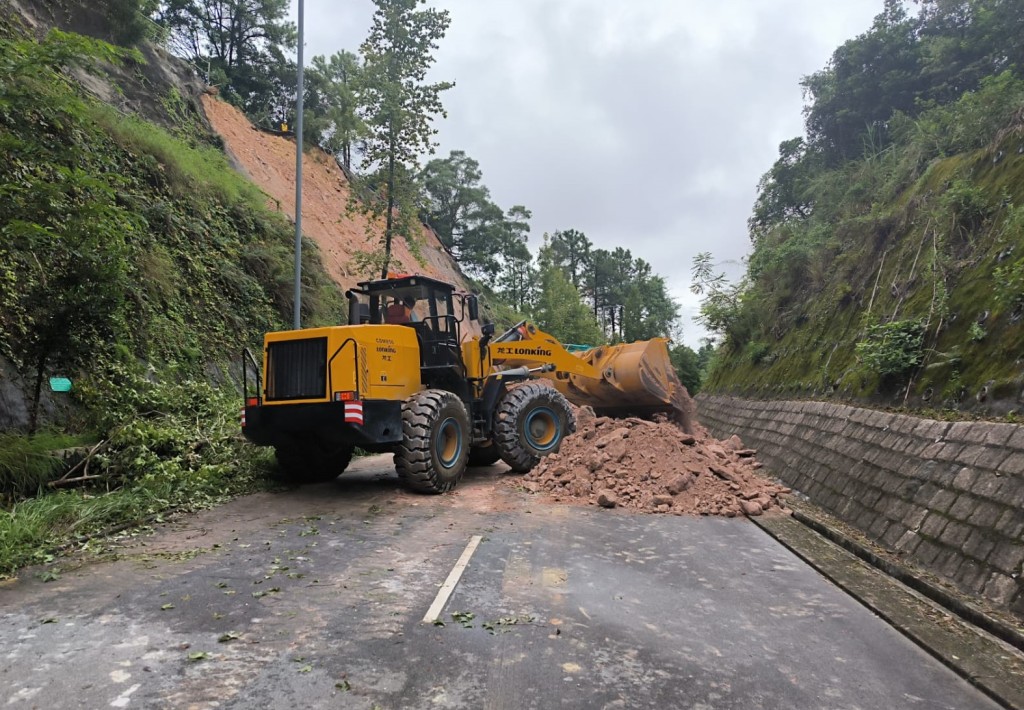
(866, 80)
(648, 311)
(570, 250)
(453, 191)
(686, 363)
(397, 105)
(721, 307)
(560, 312)
(517, 281)
(783, 194)
(330, 104)
(967, 40)
(128, 20)
(459, 208)
(238, 44)
(597, 284)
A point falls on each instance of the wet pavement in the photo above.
(315, 598)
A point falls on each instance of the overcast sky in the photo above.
(643, 123)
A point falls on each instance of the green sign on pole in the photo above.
(60, 384)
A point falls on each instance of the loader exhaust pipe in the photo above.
(356, 310)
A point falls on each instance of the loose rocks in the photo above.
(653, 466)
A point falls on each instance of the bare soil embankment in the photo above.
(269, 161)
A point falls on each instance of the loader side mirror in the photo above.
(486, 332)
(474, 308)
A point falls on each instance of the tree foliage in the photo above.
(397, 104)
(560, 311)
(239, 45)
(906, 64)
(460, 210)
(331, 118)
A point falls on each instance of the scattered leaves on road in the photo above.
(465, 618)
(229, 636)
(196, 656)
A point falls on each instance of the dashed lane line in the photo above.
(445, 592)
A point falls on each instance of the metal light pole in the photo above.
(298, 182)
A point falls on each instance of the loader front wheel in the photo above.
(311, 462)
(532, 421)
(435, 447)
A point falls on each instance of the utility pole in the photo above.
(298, 182)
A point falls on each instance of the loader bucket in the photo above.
(636, 379)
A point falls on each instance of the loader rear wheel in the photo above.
(484, 455)
(532, 420)
(312, 462)
(435, 448)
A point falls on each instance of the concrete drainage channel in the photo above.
(979, 646)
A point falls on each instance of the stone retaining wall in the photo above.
(948, 495)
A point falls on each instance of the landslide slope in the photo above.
(903, 282)
(269, 161)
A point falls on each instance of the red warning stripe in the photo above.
(354, 412)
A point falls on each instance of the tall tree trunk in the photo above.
(389, 222)
(33, 421)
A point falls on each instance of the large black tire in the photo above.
(532, 421)
(435, 448)
(311, 462)
(484, 455)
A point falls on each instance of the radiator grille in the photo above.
(297, 369)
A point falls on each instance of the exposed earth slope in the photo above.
(269, 161)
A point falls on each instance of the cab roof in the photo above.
(390, 286)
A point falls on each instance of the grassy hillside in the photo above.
(138, 262)
(900, 279)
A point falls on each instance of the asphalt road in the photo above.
(315, 598)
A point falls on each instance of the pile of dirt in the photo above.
(654, 466)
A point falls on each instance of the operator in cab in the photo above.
(401, 311)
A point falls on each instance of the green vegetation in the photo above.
(28, 464)
(397, 106)
(139, 263)
(170, 446)
(888, 253)
(240, 45)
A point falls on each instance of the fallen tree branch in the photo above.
(83, 464)
(64, 482)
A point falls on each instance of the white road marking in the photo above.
(434, 612)
(122, 700)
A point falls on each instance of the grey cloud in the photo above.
(645, 124)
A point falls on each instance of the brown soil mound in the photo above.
(653, 466)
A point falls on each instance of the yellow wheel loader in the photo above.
(401, 377)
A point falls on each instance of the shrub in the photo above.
(892, 348)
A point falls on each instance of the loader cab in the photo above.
(433, 310)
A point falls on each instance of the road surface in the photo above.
(316, 598)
